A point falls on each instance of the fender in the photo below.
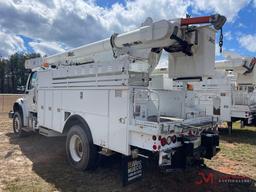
(76, 118)
(22, 104)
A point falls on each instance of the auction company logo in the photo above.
(204, 178)
(208, 178)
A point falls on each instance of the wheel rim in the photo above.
(76, 148)
(16, 125)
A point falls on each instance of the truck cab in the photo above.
(25, 108)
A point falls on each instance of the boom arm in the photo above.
(144, 44)
(244, 67)
(216, 20)
(237, 63)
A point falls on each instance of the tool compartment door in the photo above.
(118, 120)
(58, 114)
(48, 109)
(41, 107)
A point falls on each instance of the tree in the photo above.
(13, 74)
(2, 74)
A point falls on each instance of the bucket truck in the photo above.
(97, 96)
(230, 94)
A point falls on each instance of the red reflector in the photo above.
(154, 147)
(163, 141)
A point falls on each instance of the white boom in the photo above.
(242, 66)
(144, 44)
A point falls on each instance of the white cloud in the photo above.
(241, 25)
(228, 35)
(254, 3)
(10, 43)
(229, 8)
(248, 42)
(78, 22)
(45, 47)
(217, 49)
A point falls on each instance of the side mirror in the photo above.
(21, 89)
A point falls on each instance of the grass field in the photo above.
(238, 152)
(37, 163)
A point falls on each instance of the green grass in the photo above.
(28, 185)
(238, 150)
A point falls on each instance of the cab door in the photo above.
(30, 93)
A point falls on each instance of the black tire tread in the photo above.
(89, 161)
(21, 132)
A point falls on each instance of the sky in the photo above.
(51, 26)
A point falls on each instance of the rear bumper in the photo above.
(10, 114)
(187, 154)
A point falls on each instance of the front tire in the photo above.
(17, 125)
(81, 152)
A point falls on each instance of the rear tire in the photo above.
(17, 125)
(81, 152)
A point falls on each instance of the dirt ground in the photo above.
(36, 163)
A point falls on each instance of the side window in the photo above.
(32, 81)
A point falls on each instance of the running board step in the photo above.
(106, 152)
(48, 132)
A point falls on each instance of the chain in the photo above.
(221, 40)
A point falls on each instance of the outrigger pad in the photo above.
(132, 169)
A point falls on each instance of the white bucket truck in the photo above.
(97, 96)
(229, 95)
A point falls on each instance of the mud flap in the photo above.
(210, 143)
(132, 169)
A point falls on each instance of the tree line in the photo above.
(13, 75)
